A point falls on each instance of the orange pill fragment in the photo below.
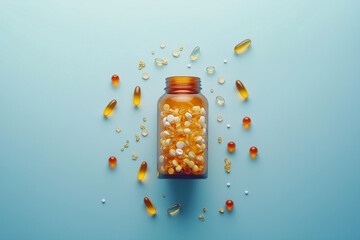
(231, 146)
(115, 79)
(110, 108)
(246, 122)
(253, 151)
(229, 205)
(149, 206)
(112, 161)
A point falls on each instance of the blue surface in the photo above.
(302, 72)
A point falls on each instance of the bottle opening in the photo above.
(183, 84)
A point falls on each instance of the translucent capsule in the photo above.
(219, 118)
(242, 46)
(145, 76)
(253, 151)
(176, 53)
(115, 79)
(210, 69)
(144, 132)
(246, 122)
(231, 146)
(110, 108)
(241, 89)
(137, 96)
(149, 206)
(112, 161)
(162, 45)
(221, 80)
(220, 100)
(173, 209)
(142, 170)
(195, 53)
(159, 61)
(229, 205)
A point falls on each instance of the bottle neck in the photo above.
(183, 84)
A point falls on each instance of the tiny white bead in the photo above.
(246, 192)
(202, 119)
(161, 158)
(180, 144)
(167, 124)
(172, 152)
(189, 65)
(203, 111)
(187, 131)
(200, 158)
(228, 126)
(166, 133)
(225, 61)
(164, 120)
(191, 155)
(199, 139)
(228, 184)
(167, 141)
(103, 200)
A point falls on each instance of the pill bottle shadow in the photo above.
(183, 189)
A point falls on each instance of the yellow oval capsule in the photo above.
(195, 53)
(110, 108)
(149, 206)
(241, 47)
(241, 89)
(137, 96)
(174, 209)
(142, 170)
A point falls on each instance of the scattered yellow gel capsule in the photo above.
(137, 137)
(219, 139)
(142, 170)
(137, 96)
(152, 52)
(110, 108)
(204, 209)
(210, 69)
(174, 209)
(242, 46)
(211, 90)
(144, 119)
(181, 48)
(149, 206)
(159, 62)
(221, 210)
(195, 53)
(220, 100)
(241, 89)
(162, 45)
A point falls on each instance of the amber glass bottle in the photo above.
(182, 129)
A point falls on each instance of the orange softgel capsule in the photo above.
(137, 96)
(241, 89)
(246, 122)
(253, 151)
(149, 206)
(142, 171)
(115, 79)
(110, 108)
(112, 161)
(229, 204)
(231, 146)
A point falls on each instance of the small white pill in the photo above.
(177, 119)
(225, 61)
(167, 124)
(200, 158)
(187, 131)
(199, 139)
(188, 115)
(166, 133)
(180, 144)
(203, 111)
(175, 163)
(103, 200)
(164, 120)
(189, 65)
(187, 123)
(228, 126)
(179, 152)
(204, 131)
(246, 192)
(170, 118)
(161, 158)
(228, 184)
(191, 155)
(202, 119)
(167, 142)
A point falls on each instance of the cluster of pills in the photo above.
(141, 65)
(182, 140)
(227, 165)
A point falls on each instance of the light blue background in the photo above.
(302, 72)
